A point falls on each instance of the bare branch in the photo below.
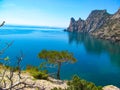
(2, 23)
(5, 48)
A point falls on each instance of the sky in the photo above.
(51, 12)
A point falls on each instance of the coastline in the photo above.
(41, 84)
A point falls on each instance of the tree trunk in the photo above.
(58, 72)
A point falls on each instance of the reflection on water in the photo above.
(98, 60)
(97, 46)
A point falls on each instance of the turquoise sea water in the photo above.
(98, 60)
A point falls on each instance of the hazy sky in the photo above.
(51, 12)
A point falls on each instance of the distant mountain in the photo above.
(100, 24)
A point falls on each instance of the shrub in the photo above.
(36, 72)
(40, 75)
(13, 68)
(56, 88)
(77, 84)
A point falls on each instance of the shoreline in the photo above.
(41, 84)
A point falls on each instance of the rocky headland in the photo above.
(100, 24)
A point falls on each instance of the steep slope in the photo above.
(111, 29)
(76, 25)
(94, 21)
(100, 24)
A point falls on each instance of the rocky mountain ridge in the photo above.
(100, 24)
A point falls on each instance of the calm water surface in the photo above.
(98, 60)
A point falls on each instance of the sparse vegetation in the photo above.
(79, 84)
(36, 72)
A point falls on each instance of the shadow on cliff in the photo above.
(97, 46)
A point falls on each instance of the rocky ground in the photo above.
(27, 82)
(110, 87)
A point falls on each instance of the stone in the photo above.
(110, 87)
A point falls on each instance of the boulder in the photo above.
(110, 87)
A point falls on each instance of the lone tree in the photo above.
(57, 58)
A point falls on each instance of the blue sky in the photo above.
(51, 12)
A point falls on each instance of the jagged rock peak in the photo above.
(72, 19)
(116, 15)
(97, 13)
(118, 10)
(96, 19)
(80, 19)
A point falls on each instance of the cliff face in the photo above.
(76, 25)
(100, 24)
(94, 21)
(111, 29)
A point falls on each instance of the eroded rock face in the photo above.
(111, 29)
(81, 25)
(94, 21)
(100, 24)
(73, 25)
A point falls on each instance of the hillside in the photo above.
(111, 29)
(100, 24)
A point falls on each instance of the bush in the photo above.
(77, 84)
(40, 75)
(13, 68)
(56, 88)
(36, 72)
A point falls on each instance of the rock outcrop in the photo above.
(100, 24)
(94, 21)
(110, 87)
(76, 25)
(111, 29)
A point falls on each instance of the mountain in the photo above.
(111, 29)
(96, 19)
(76, 25)
(100, 24)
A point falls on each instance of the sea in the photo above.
(98, 61)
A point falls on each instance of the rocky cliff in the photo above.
(94, 21)
(100, 24)
(76, 25)
(111, 29)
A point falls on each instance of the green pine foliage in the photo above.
(57, 58)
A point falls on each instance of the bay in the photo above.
(97, 60)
